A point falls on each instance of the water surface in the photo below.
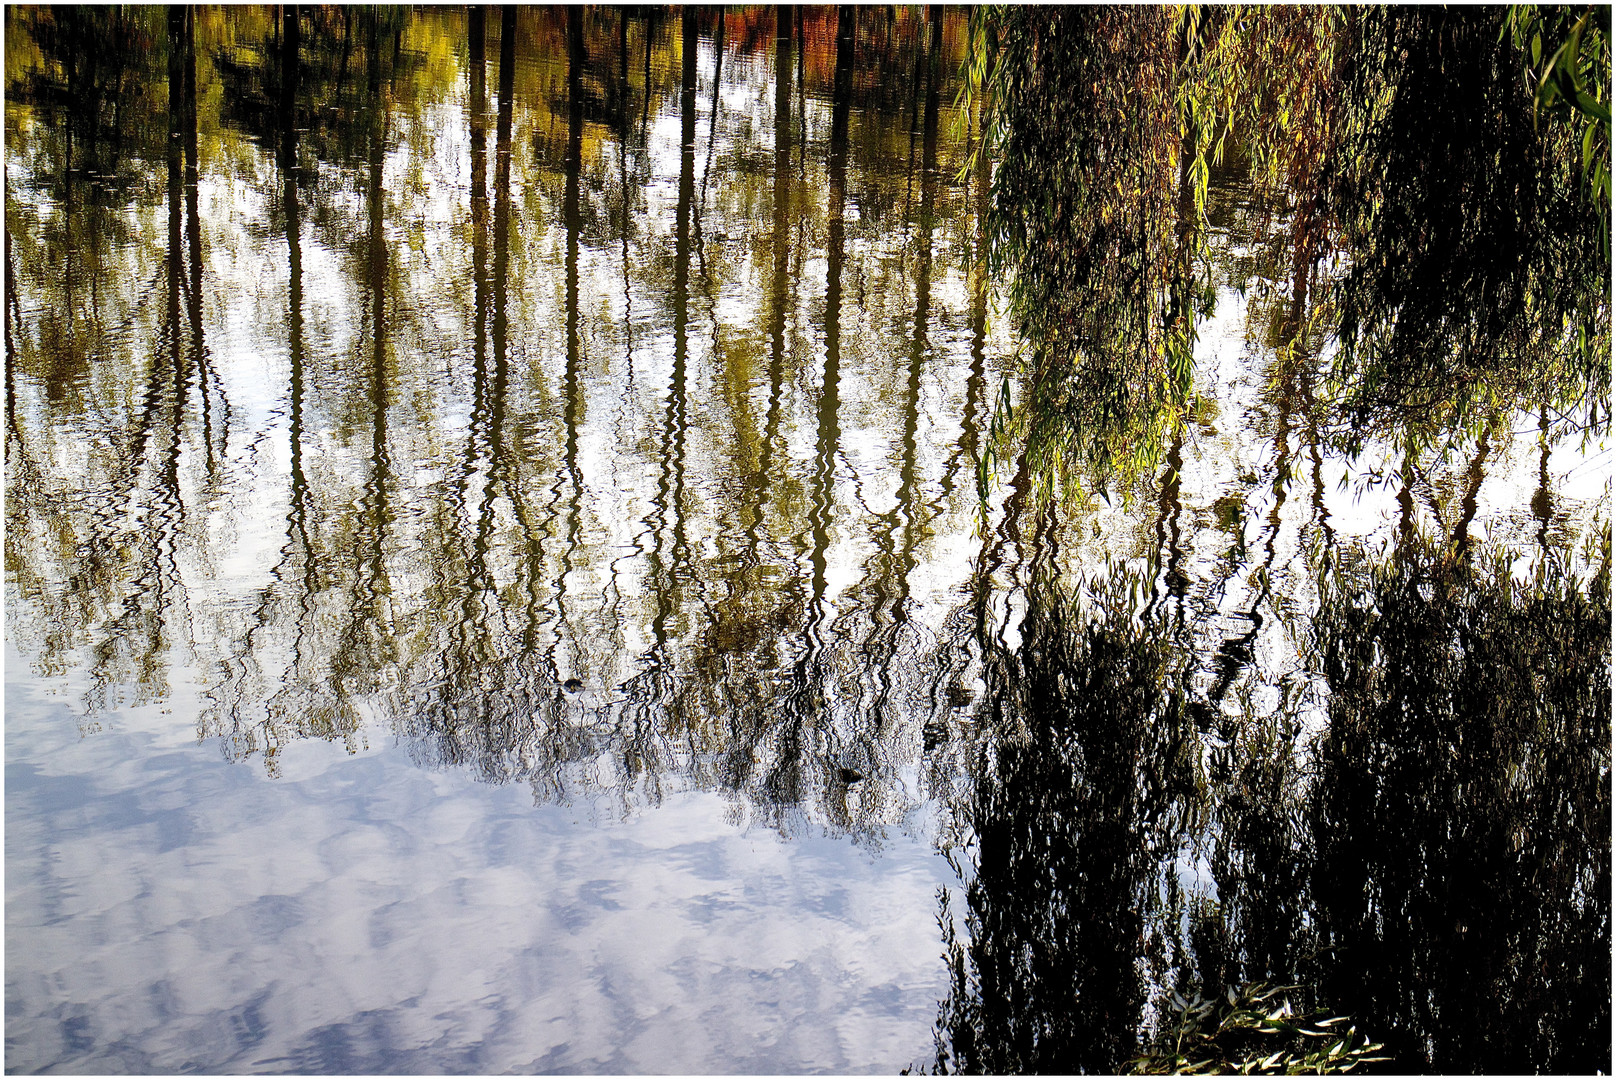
(497, 580)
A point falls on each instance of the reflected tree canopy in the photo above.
(1459, 698)
(1479, 273)
(1086, 782)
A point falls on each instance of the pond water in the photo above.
(496, 580)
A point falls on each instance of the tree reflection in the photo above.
(1107, 307)
(374, 390)
(146, 612)
(1083, 789)
(1461, 816)
(1481, 270)
(1344, 122)
(1433, 861)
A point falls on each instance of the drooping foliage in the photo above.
(1478, 273)
(1275, 81)
(1094, 213)
(1442, 175)
(1569, 74)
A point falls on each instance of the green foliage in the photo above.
(1463, 210)
(1478, 277)
(1277, 80)
(1571, 82)
(1101, 174)
(1106, 124)
(1248, 1031)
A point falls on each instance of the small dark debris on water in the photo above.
(572, 686)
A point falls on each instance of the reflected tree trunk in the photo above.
(622, 177)
(670, 492)
(366, 650)
(290, 42)
(968, 449)
(802, 90)
(908, 510)
(1405, 500)
(1543, 498)
(182, 32)
(652, 19)
(177, 25)
(828, 440)
(572, 390)
(503, 463)
(712, 128)
(469, 649)
(784, 783)
(476, 33)
(11, 305)
(1459, 541)
(1167, 530)
(199, 354)
(1234, 654)
(779, 293)
(230, 709)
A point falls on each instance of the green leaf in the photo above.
(1590, 107)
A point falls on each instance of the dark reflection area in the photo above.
(318, 69)
(1421, 838)
(104, 128)
(1084, 785)
(1470, 281)
(628, 410)
(1461, 818)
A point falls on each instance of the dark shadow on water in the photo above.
(1430, 856)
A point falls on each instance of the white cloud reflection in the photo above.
(167, 910)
